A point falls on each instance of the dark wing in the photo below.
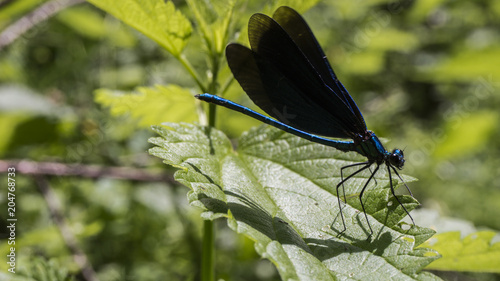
(274, 93)
(296, 27)
(279, 77)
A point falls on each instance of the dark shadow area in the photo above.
(245, 210)
(325, 249)
(208, 132)
(209, 179)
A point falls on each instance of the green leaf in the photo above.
(39, 268)
(156, 19)
(366, 63)
(391, 39)
(150, 105)
(213, 19)
(84, 20)
(11, 123)
(299, 5)
(465, 66)
(476, 252)
(279, 190)
(13, 9)
(422, 9)
(478, 127)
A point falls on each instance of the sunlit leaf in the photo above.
(157, 19)
(467, 133)
(389, 39)
(299, 5)
(465, 66)
(151, 105)
(10, 122)
(476, 252)
(365, 63)
(13, 9)
(87, 22)
(213, 21)
(279, 190)
(423, 8)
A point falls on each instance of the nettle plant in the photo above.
(275, 188)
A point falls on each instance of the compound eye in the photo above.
(397, 158)
(399, 152)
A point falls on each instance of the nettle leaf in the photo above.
(150, 105)
(157, 19)
(279, 190)
(476, 252)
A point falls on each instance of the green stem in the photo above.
(208, 252)
(226, 85)
(208, 249)
(211, 114)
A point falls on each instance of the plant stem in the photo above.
(208, 252)
(208, 247)
(182, 59)
(211, 115)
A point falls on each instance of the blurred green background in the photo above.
(425, 74)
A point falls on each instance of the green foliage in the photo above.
(477, 63)
(213, 21)
(85, 21)
(478, 128)
(39, 269)
(157, 19)
(10, 124)
(424, 74)
(17, 8)
(279, 190)
(299, 5)
(476, 252)
(150, 105)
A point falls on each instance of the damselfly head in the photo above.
(397, 158)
